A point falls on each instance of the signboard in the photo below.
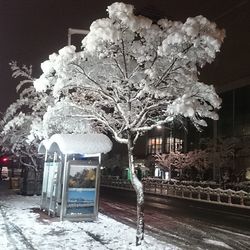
(81, 190)
(81, 193)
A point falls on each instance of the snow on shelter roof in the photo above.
(76, 144)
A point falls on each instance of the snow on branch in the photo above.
(133, 74)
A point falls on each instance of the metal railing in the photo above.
(220, 196)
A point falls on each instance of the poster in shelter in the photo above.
(81, 194)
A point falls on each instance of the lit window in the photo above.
(178, 144)
(173, 144)
(155, 145)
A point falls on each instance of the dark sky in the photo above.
(30, 30)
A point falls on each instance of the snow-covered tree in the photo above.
(173, 160)
(199, 160)
(19, 118)
(133, 75)
(24, 124)
(222, 153)
(62, 118)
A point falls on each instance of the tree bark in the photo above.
(138, 187)
(170, 173)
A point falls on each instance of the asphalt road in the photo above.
(187, 224)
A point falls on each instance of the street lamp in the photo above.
(75, 32)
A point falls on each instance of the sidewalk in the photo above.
(5, 188)
(24, 226)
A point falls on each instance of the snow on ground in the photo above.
(21, 228)
(217, 243)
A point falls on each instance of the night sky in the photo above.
(30, 30)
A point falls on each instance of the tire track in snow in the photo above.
(98, 238)
(14, 233)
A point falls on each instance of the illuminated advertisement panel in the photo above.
(81, 191)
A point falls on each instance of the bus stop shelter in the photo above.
(71, 177)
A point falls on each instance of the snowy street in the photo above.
(23, 226)
(186, 224)
(126, 94)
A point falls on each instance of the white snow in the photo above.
(217, 243)
(25, 228)
(78, 143)
(42, 83)
(230, 232)
(129, 69)
(124, 13)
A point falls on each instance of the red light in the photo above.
(4, 159)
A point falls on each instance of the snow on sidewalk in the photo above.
(21, 228)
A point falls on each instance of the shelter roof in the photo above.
(76, 144)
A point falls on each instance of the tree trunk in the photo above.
(138, 187)
(181, 173)
(170, 173)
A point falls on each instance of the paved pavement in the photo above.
(5, 188)
(189, 225)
